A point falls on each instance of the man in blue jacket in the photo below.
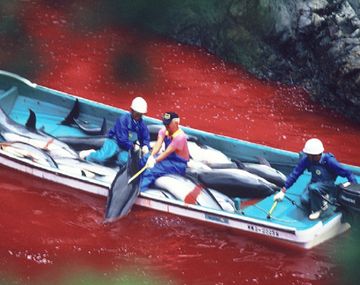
(324, 169)
(129, 132)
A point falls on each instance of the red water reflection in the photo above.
(48, 231)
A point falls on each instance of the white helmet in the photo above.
(139, 105)
(314, 147)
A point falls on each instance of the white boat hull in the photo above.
(302, 239)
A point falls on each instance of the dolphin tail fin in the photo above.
(73, 114)
(31, 121)
(123, 195)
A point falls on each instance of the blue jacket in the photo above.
(326, 170)
(126, 131)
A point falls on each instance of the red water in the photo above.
(50, 232)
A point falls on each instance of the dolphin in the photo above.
(188, 190)
(237, 183)
(88, 169)
(203, 156)
(12, 131)
(30, 152)
(160, 193)
(122, 195)
(264, 170)
(225, 202)
(81, 143)
(73, 118)
(83, 125)
(209, 156)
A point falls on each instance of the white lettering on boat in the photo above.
(263, 230)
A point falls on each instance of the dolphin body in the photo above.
(160, 193)
(237, 183)
(29, 143)
(86, 168)
(81, 143)
(11, 131)
(186, 190)
(209, 156)
(30, 152)
(225, 202)
(189, 191)
(73, 118)
(264, 170)
(122, 195)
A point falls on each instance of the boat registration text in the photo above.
(263, 230)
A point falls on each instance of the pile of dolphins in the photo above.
(212, 180)
(27, 142)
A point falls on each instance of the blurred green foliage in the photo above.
(92, 278)
(348, 257)
(17, 51)
(88, 277)
(233, 30)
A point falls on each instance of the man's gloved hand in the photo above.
(136, 147)
(151, 162)
(145, 149)
(280, 195)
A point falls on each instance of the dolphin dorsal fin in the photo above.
(73, 114)
(103, 127)
(262, 160)
(31, 121)
(239, 164)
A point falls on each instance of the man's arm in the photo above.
(144, 135)
(158, 144)
(297, 171)
(122, 134)
(290, 180)
(340, 170)
(170, 149)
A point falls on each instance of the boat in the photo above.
(287, 224)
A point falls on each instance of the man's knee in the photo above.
(305, 201)
(122, 158)
(313, 188)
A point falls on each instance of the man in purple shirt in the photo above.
(324, 169)
(175, 157)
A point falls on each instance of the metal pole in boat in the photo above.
(272, 209)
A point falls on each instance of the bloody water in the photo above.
(50, 232)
